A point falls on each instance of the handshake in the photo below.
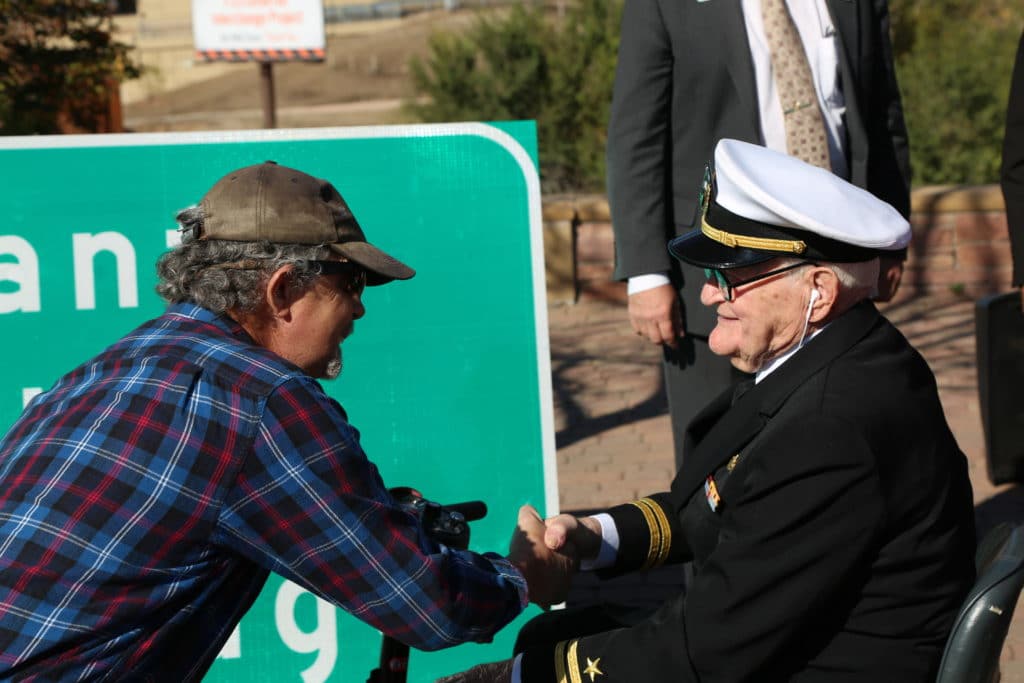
(548, 552)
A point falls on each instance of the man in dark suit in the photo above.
(824, 504)
(1013, 169)
(691, 72)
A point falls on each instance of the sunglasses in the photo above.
(353, 276)
(728, 288)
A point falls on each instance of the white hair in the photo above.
(860, 275)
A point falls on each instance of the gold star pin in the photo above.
(592, 668)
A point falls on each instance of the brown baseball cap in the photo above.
(279, 204)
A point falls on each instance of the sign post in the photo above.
(267, 94)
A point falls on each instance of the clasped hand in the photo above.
(547, 570)
(549, 552)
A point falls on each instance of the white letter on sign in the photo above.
(25, 272)
(86, 247)
(323, 639)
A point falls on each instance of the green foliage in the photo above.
(58, 62)
(499, 68)
(954, 59)
(525, 64)
(576, 119)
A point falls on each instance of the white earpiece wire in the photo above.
(807, 318)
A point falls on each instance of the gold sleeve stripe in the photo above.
(567, 666)
(763, 243)
(660, 532)
(560, 676)
(664, 533)
(652, 530)
(573, 663)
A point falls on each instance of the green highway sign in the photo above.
(447, 376)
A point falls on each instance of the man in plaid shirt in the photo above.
(145, 498)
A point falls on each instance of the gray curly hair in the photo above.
(222, 275)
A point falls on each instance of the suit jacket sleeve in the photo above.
(650, 535)
(1013, 166)
(789, 552)
(889, 157)
(638, 143)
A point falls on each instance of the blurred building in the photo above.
(161, 31)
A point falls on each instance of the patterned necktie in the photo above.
(805, 130)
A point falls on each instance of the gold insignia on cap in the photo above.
(704, 197)
(592, 668)
(733, 240)
(659, 530)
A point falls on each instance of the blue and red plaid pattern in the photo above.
(145, 498)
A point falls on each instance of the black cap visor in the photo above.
(698, 249)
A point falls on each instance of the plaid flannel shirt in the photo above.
(145, 498)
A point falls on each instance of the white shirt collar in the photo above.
(774, 364)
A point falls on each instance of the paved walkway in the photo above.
(612, 429)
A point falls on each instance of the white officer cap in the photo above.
(758, 204)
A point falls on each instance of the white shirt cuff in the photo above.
(609, 544)
(640, 283)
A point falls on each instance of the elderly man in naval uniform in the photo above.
(824, 503)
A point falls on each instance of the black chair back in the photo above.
(972, 651)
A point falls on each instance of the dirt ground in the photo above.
(364, 80)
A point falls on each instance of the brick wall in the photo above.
(960, 245)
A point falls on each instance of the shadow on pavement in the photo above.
(570, 394)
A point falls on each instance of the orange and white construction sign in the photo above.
(258, 30)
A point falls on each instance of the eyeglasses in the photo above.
(353, 276)
(728, 288)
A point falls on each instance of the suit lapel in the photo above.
(714, 435)
(722, 22)
(720, 430)
(846, 18)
